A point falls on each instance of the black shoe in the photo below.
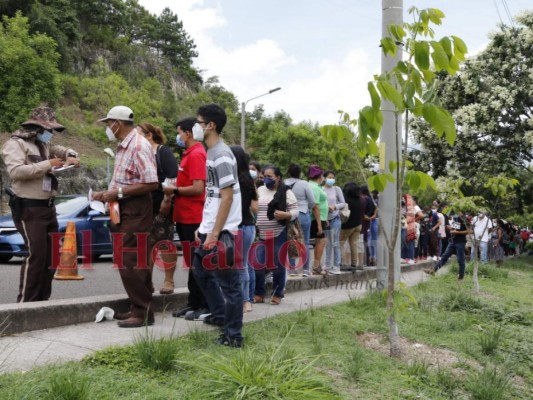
(229, 342)
(210, 320)
(181, 313)
(197, 315)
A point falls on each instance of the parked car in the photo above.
(68, 208)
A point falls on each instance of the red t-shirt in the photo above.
(188, 209)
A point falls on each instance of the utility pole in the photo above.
(390, 142)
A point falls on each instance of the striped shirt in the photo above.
(134, 162)
(221, 173)
(272, 226)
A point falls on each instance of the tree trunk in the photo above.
(476, 267)
(394, 338)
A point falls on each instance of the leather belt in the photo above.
(38, 203)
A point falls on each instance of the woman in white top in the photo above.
(335, 203)
(276, 206)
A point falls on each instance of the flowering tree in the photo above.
(491, 100)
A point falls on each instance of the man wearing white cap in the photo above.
(134, 178)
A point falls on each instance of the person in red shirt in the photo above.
(188, 197)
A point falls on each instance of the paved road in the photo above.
(100, 280)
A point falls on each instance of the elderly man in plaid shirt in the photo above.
(134, 178)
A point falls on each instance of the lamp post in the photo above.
(110, 154)
(243, 112)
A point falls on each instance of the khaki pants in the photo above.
(353, 236)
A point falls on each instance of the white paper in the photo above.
(169, 182)
(95, 204)
(98, 206)
(59, 169)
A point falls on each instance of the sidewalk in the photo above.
(23, 351)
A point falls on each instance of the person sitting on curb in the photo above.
(458, 229)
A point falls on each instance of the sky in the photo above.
(321, 53)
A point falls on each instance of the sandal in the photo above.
(167, 289)
(258, 299)
(275, 300)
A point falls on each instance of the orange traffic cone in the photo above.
(68, 261)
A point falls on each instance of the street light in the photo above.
(109, 153)
(243, 112)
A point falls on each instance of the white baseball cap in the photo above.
(121, 113)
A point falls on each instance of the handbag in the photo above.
(345, 214)
(225, 248)
(162, 229)
(295, 239)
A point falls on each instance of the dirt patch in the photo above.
(413, 351)
(488, 296)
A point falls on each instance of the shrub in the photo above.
(418, 367)
(354, 366)
(157, 354)
(460, 301)
(267, 374)
(487, 384)
(66, 384)
(490, 340)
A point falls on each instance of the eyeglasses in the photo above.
(202, 122)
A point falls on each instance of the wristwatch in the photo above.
(176, 192)
(120, 194)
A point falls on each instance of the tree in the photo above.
(499, 187)
(492, 103)
(29, 71)
(410, 87)
(58, 20)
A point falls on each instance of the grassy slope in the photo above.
(329, 336)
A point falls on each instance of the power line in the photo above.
(498, 12)
(508, 12)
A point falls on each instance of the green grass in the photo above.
(315, 353)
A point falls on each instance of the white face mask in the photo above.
(110, 134)
(45, 137)
(198, 132)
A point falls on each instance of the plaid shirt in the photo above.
(134, 162)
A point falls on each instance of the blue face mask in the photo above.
(180, 142)
(253, 173)
(269, 182)
(330, 181)
(44, 137)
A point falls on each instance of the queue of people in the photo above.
(232, 217)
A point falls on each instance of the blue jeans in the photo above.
(484, 250)
(222, 289)
(374, 229)
(305, 222)
(269, 257)
(408, 247)
(333, 248)
(459, 250)
(247, 272)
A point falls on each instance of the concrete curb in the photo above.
(24, 317)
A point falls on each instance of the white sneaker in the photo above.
(334, 271)
(411, 261)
